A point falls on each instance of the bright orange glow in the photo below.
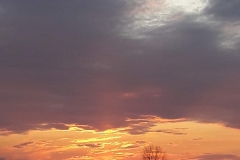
(188, 141)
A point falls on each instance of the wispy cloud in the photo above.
(218, 157)
(22, 145)
(169, 131)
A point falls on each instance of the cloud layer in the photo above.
(76, 62)
(218, 157)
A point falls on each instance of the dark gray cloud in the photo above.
(90, 145)
(218, 157)
(67, 62)
(22, 145)
(139, 129)
(170, 131)
(224, 10)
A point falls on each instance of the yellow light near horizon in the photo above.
(176, 138)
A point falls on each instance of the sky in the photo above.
(99, 80)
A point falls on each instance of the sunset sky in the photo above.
(101, 79)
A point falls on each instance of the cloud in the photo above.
(130, 147)
(140, 128)
(169, 131)
(97, 139)
(141, 142)
(197, 139)
(22, 145)
(224, 10)
(70, 63)
(218, 157)
(91, 145)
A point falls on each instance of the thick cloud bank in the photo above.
(98, 63)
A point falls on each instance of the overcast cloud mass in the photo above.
(97, 63)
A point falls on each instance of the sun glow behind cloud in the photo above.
(152, 14)
(188, 6)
